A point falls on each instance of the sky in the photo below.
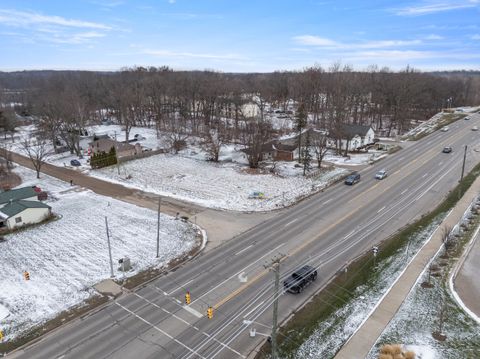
(239, 35)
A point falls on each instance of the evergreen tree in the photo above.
(307, 156)
(300, 123)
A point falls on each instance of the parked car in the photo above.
(75, 163)
(300, 279)
(445, 128)
(447, 149)
(352, 179)
(381, 174)
(475, 128)
(467, 118)
(138, 137)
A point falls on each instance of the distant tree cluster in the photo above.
(211, 105)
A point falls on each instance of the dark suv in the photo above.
(353, 178)
(300, 279)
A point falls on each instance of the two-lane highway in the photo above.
(326, 231)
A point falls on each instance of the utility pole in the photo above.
(109, 248)
(158, 226)
(275, 267)
(463, 165)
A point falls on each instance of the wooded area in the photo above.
(211, 105)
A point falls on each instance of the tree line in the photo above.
(211, 105)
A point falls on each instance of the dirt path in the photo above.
(220, 225)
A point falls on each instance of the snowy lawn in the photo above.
(224, 186)
(66, 257)
(419, 316)
(333, 332)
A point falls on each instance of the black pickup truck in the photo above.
(300, 279)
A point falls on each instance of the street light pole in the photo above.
(109, 248)
(158, 226)
(463, 165)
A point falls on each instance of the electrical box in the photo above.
(125, 264)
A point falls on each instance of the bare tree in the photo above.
(38, 150)
(213, 140)
(319, 145)
(7, 121)
(255, 134)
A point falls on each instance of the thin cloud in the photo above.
(310, 40)
(475, 37)
(175, 54)
(26, 19)
(314, 40)
(434, 8)
(434, 37)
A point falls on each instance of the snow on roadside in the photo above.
(222, 186)
(4, 312)
(330, 335)
(67, 256)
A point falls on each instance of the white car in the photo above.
(381, 174)
(475, 128)
(445, 128)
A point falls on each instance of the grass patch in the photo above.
(341, 289)
(417, 321)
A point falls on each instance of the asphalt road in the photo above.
(326, 231)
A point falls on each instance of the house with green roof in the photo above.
(20, 207)
(24, 193)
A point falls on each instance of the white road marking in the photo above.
(348, 235)
(193, 311)
(289, 223)
(328, 200)
(241, 271)
(440, 163)
(243, 250)
(381, 209)
(181, 287)
(425, 175)
(401, 158)
(160, 330)
(404, 191)
(184, 321)
(254, 309)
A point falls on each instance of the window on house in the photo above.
(18, 219)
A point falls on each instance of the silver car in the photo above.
(381, 174)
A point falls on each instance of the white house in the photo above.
(19, 207)
(20, 213)
(353, 136)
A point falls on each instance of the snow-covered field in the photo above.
(223, 186)
(66, 257)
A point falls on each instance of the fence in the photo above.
(140, 155)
